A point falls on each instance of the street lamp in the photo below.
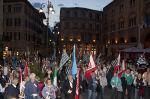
(50, 8)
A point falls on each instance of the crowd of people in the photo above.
(131, 82)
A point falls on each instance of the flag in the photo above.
(142, 60)
(15, 62)
(51, 61)
(21, 85)
(123, 68)
(92, 67)
(55, 77)
(77, 86)
(85, 58)
(64, 59)
(74, 69)
(26, 68)
(98, 59)
(113, 63)
(118, 64)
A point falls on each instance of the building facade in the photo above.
(23, 26)
(82, 27)
(126, 24)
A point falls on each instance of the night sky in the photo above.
(91, 4)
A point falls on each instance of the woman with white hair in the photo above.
(32, 89)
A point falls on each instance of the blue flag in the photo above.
(74, 69)
(51, 61)
(15, 62)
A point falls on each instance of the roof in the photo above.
(80, 8)
(42, 15)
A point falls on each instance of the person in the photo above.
(48, 91)
(12, 89)
(83, 79)
(32, 89)
(129, 79)
(124, 86)
(69, 87)
(2, 90)
(109, 74)
(103, 84)
(139, 83)
(115, 82)
(92, 85)
(146, 77)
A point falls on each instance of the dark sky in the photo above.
(91, 4)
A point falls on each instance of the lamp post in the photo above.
(50, 9)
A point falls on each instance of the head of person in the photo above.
(10, 75)
(103, 74)
(49, 82)
(139, 75)
(26, 79)
(15, 81)
(93, 75)
(148, 69)
(32, 77)
(115, 75)
(128, 71)
(70, 77)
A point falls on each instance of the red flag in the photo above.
(118, 64)
(77, 86)
(92, 67)
(26, 69)
(123, 68)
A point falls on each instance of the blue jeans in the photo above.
(136, 94)
(91, 94)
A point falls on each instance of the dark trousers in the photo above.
(114, 94)
(70, 96)
(147, 92)
(123, 93)
(129, 88)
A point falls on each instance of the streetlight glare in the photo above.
(53, 12)
(41, 10)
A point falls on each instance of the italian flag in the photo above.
(55, 77)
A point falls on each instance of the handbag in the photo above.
(141, 92)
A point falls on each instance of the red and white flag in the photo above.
(123, 68)
(118, 64)
(21, 86)
(26, 69)
(92, 67)
(77, 86)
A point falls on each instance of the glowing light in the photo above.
(71, 40)
(62, 39)
(94, 40)
(108, 41)
(125, 41)
(79, 40)
(116, 41)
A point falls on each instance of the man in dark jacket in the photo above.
(69, 87)
(12, 89)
